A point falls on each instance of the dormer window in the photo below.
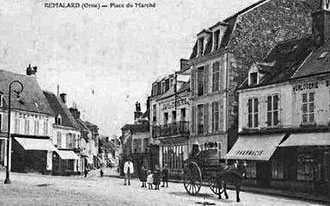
(253, 78)
(216, 37)
(58, 120)
(201, 46)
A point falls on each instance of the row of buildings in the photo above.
(46, 135)
(256, 88)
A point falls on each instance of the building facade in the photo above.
(284, 114)
(170, 115)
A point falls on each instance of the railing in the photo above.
(175, 128)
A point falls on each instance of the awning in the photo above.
(307, 139)
(256, 147)
(35, 144)
(67, 155)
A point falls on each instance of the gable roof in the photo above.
(282, 61)
(32, 98)
(316, 63)
(59, 108)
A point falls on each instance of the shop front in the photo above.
(65, 162)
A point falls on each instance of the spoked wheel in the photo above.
(216, 186)
(192, 178)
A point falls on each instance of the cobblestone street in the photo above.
(35, 189)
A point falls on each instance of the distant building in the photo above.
(94, 142)
(31, 124)
(66, 136)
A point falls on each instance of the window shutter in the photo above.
(206, 79)
(193, 119)
(206, 117)
(221, 117)
(192, 82)
(221, 78)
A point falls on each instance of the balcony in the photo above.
(171, 129)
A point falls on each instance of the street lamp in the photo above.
(7, 180)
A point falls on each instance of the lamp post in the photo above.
(7, 180)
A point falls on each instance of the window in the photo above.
(154, 117)
(165, 118)
(167, 85)
(215, 116)
(308, 108)
(253, 78)
(27, 126)
(17, 125)
(216, 77)
(277, 169)
(200, 81)
(159, 88)
(1, 122)
(183, 114)
(216, 39)
(173, 116)
(201, 46)
(251, 169)
(305, 167)
(59, 139)
(36, 127)
(200, 119)
(58, 120)
(1, 99)
(253, 113)
(272, 110)
(46, 127)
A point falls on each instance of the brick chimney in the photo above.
(31, 71)
(63, 97)
(321, 23)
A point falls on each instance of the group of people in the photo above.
(147, 177)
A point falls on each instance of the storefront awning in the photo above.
(35, 144)
(67, 155)
(307, 139)
(256, 147)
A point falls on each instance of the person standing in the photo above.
(165, 175)
(143, 176)
(128, 170)
(156, 177)
(150, 179)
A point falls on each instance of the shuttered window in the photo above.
(272, 110)
(308, 108)
(253, 112)
(215, 77)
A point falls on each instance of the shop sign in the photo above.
(305, 86)
(249, 152)
(179, 102)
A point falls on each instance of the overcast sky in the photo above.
(105, 60)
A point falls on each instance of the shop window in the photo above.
(215, 116)
(272, 110)
(305, 167)
(216, 77)
(251, 169)
(277, 169)
(308, 108)
(253, 110)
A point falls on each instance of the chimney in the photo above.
(63, 97)
(184, 64)
(75, 113)
(321, 24)
(29, 70)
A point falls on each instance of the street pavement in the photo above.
(36, 189)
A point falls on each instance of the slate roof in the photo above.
(230, 22)
(283, 61)
(32, 98)
(59, 108)
(315, 64)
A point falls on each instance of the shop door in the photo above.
(263, 173)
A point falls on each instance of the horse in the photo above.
(232, 175)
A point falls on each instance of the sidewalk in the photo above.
(265, 191)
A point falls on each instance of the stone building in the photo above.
(222, 56)
(284, 114)
(170, 115)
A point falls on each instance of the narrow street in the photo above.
(36, 189)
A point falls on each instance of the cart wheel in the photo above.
(216, 186)
(192, 178)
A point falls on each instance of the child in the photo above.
(156, 177)
(150, 180)
(165, 175)
(143, 176)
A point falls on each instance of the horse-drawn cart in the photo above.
(206, 167)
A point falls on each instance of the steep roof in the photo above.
(283, 61)
(316, 63)
(59, 108)
(32, 98)
(230, 25)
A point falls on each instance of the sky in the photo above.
(104, 60)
